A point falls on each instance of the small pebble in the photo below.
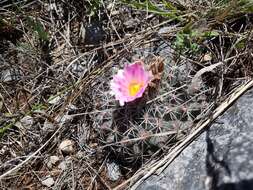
(48, 126)
(65, 163)
(53, 160)
(207, 57)
(67, 147)
(55, 100)
(49, 181)
(113, 171)
(27, 121)
(165, 30)
(62, 165)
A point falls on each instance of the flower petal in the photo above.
(130, 83)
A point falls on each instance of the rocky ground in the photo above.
(60, 128)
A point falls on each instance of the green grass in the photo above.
(5, 128)
(37, 27)
(188, 40)
(168, 11)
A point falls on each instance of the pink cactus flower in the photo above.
(130, 83)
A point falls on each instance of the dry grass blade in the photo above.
(197, 81)
(17, 167)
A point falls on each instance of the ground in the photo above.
(61, 128)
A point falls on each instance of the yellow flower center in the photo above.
(134, 88)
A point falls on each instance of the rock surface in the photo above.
(219, 159)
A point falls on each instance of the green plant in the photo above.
(188, 39)
(38, 106)
(186, 42)
(93, 6)
(246, 6)
(37, 27)
(5, 127)
(168, 9)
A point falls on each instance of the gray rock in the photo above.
(27, 121)
(131, 23)
(220, 158)
(113, 171)
(63, 119)
(165, 30)
(48, 126)
(53, 160)
(78, 68)
(67, 146)
(9, 75)
(94, 33)
(65, 164)
(81, 154)
(55, 100)
(49, 181)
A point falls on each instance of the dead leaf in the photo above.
(197, 79)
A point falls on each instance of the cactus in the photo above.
(143, 128)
